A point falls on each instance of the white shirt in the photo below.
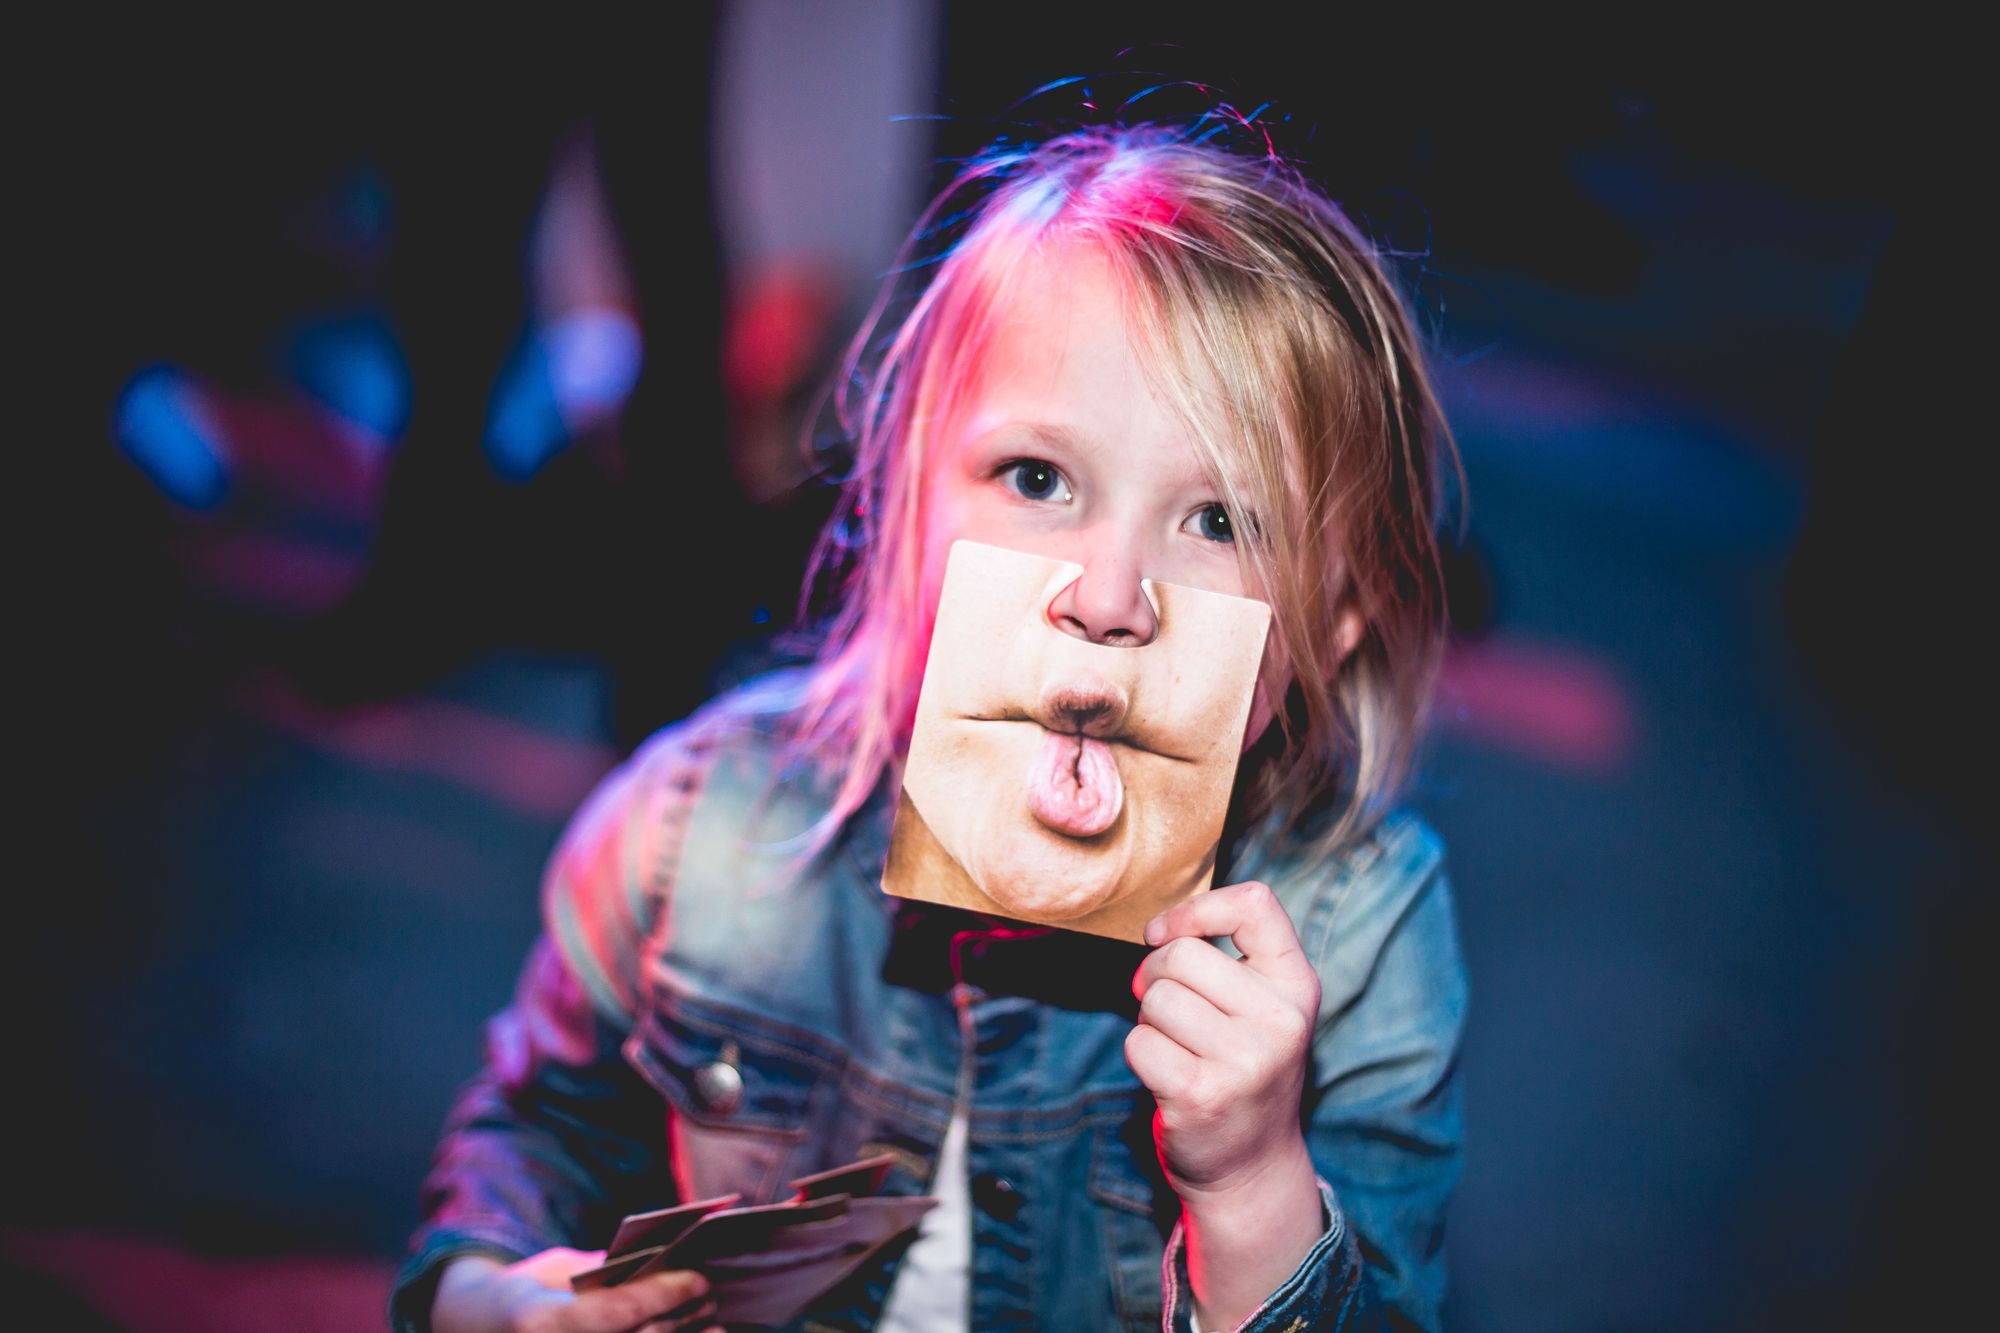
(932, 1291)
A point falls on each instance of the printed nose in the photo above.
(1106, 604)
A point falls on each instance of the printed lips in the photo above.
(1073, 785)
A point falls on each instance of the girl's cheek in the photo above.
(966, 512)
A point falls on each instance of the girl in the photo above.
(1155, 359)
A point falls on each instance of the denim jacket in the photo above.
(710, 1012)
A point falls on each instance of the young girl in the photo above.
(1154, 359)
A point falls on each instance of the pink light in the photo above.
(151, 1287)
(515, 764)
(1558, 705)
(296, 452)
(1138, 200)
(274, 572)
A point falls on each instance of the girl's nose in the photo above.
(1107, 604)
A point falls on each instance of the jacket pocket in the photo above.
(1137, 1210)
(741, 1092)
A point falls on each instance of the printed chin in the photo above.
(1044, 876)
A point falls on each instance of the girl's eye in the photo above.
(1033, 479)
(1212, 522)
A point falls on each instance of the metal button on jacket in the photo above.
(996, 1195)
(720, 1084)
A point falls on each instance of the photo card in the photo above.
(1063, 782)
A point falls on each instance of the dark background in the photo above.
(306, 717)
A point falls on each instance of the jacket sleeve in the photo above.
(1381, 1118)
(557, 1137)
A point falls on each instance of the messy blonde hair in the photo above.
(1278, 337)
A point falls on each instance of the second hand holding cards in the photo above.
(766, 1263)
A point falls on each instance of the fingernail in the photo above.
(1154, 930)
(698, 1286)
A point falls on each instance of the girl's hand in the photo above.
(480, 1295)
(1222, 1044)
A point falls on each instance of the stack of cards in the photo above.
(766, 1264)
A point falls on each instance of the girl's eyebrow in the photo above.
(1057, 437)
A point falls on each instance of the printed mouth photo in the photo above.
(1074, 786)
(1058, 780)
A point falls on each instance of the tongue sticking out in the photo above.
(1074, 787)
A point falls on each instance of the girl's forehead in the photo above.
(1059, 315)
(1058, 276)
(1061, 351)
(1060, 357)
(1076, 308)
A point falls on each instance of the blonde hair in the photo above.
(1281, 341)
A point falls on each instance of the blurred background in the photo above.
(423, 425)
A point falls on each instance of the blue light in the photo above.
(161, 426)
(571, 375)
(354, 366)
(524, 427)
(593, 358)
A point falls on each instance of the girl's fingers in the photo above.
(1251, 915)
(1162, 1064)
(1204, 969)
(698, 1317)
(669, 1291)
(640, 1303)
(1190, 1020)
(553, 1268)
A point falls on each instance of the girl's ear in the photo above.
(1348, 629)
